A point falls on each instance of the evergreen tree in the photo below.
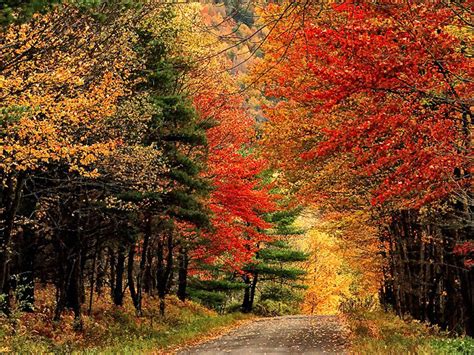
(216, 290)
(274, 263)
(176, 131)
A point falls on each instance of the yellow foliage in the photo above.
(338, 268)
(59, 83)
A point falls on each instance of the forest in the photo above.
(174, 169)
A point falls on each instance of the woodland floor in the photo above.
(280, 335)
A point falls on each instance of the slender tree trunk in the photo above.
(143, 260)
(164, 269)
(112, 263)
(119, 272)
(246, 304)
(183, 273)
(93, 277)
(253, 288)
(101, 267)
(11, 197)
(25, 285)
(73, 294)
(131, 280)
(148, 279)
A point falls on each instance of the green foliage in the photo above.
(213, 293)
(283, 221)
(282, 255)
(240, 11)
(10, 115)
(175, 130)
(217, 285)
(211, 299)
(279, 251)
(463, 345)
(22, 10)
(274, 267)
(272, 272)
(271, 308)
(280, 293)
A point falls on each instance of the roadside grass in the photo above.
(378, 332)
(112, 329)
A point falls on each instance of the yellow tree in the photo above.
(343, 262)
(61, 75)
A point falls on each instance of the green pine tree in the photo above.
(274, 266)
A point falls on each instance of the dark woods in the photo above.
(425, 275)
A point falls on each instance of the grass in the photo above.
(379, 332)
(112, 329)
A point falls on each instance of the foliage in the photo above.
(376, 331)
(351, 269)
(109, 329)
(272, 308)
(136, 162)
(125, 162)
(16, 11)
(373, 104)
(408, 150)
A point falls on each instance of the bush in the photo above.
(375, 331)
(278, 293)
(270, 308)
(453, 346)
(234, 307)
(211, 299)
(108, 328)
(358, 304)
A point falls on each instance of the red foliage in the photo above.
(397, 77)
(238, 199)
(466, 249)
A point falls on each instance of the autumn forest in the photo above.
(172, 171)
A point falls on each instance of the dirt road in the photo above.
(281, 335)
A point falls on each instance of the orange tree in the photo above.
(374, 102)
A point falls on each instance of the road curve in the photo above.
(280, 335)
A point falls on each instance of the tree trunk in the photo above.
(10, 199)
(246, 304)
(131, 281)
(73, 294)
(183, 273)
(112, 263)
(93, 277)
(164, 268)
(119, 271)
(143, 260)
(100, 275)
(25, 286)
(253, 288)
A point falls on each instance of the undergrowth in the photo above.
(110, 329)
(375, 331)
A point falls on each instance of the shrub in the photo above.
(270, 308)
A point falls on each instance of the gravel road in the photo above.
(280, 335)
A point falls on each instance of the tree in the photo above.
(54, 109)
(374, 102)
(274, 263)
